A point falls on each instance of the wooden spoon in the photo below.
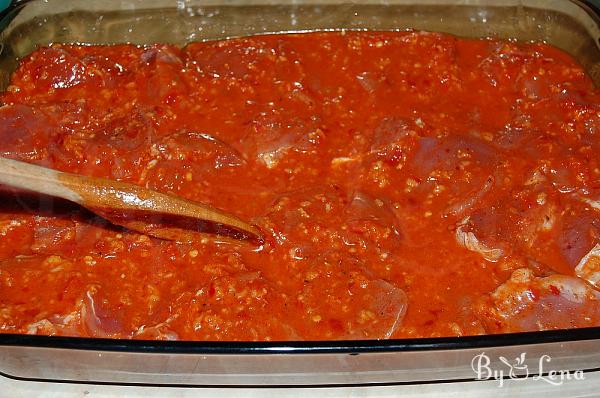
(137, 208)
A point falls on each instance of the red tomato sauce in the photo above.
(410, 184)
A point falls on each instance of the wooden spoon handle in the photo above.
(35, 178)
(109, 195)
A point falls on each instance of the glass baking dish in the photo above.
(570, 25)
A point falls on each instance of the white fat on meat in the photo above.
(469, 241)
(56, 324)
(589, 266)
(595, 204)
(526, 302)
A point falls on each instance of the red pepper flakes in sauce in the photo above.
(411, 184)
